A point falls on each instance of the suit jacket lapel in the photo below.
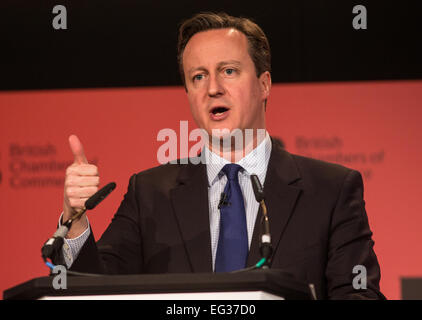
(280, 198)
(190, 203)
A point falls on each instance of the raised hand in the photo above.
(81, 182)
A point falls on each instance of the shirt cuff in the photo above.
(72, 247)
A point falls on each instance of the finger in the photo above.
(82, 170)
(77, 150)
(82, 181)
(77, 203)
(80, 192)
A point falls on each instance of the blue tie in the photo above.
(232, 250)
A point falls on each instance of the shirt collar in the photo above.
(255, 162)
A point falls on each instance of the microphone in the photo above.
(99, 196)
(265, 247)
(258, 190)
(52, 245)
(223, 201)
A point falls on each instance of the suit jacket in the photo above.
(318, 222)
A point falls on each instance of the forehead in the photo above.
(213, 46)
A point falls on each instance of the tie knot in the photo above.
(231, 170)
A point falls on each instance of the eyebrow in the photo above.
(219, 65)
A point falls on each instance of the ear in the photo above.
(265, 82)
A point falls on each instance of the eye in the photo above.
(229, 71)
(198, 77)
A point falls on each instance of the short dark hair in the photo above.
(259, 48)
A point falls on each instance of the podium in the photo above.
(250, 285)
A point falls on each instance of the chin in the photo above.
(221, 127)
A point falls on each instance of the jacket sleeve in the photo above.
(352, 270)
(119, 249)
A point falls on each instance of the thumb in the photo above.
(77, 150)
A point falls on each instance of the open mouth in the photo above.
(217, 111)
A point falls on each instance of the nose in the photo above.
(215, 86)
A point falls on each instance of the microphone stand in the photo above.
(265, 247)
(52, 247)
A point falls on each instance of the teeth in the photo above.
(219, 111)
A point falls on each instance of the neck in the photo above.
(237, 145)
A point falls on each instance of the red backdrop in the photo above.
(370, 126)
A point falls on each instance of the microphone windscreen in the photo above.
(99, 196)
(258, 190)
(61, 232)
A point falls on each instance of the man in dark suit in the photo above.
(171, 219)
